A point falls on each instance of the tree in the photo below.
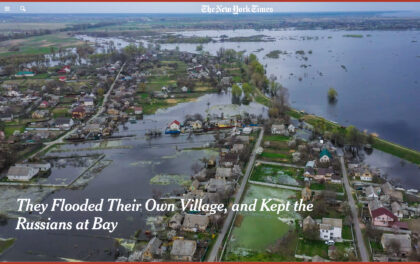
(332, 95)
(353, 136)
(311, 232)
(100, 92)
(236, 90)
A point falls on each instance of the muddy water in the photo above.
(134, 162)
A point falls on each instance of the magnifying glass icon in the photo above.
(22, 8)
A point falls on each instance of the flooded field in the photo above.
(134, 167)
(256, 231)
(362, 70)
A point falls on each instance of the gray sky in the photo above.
(182, 7)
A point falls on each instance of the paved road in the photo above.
(100, 111)
(360, 241)
(281, 164)
(213, 256)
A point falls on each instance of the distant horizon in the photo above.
(195, 7)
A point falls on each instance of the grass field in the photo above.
(255, 231)
(278, 174)
(38, 44)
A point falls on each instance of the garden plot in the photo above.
(276, 174)
(256, 231)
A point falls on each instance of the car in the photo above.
(330, 242)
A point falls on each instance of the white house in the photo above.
(366, 176)
(64, 123)
(247, 130)
(184, 89)
(88, 101)
(330, 229)
(291, 128)
(371, 193)
(279, 130)
(175, 125)
(16, 173)
(40, 166)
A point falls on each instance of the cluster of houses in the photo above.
(213, 184)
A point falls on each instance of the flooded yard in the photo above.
(256, 231)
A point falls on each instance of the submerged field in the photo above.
(255, 232)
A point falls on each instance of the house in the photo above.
(183, 250)
(40, 166)
(226, 81)
(380, 215)
(44, 104)
(236, 148)
(17, 173)
(195, 125)
(174, 125)
(229, 159)
(324, 173)
(403, 240)
(152, 249)
(2, 135)
(64, 123)
(78, 112)
(336, 178)
(223, 173)
(394, 195)
(279, 130)
(310, 164)
(330, 229)
(184, 89)
(66, 69)
(324, 156)
(291, 128)
(24, 74)
(306, 194)
(62, 78)
(371, 193)
(176, 221)
(195, 223)
(247, 130)
(88, 101)
(308, 223)
(40, 114)
(397, 210)
(138, 110)
(366, 176)
(6, 115)
(309, 173)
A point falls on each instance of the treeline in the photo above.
(41, 32)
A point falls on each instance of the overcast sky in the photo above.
(182, 7)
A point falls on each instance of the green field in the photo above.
(38, 44)
(277, 174)
(255, 231)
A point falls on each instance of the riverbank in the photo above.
(394, 149)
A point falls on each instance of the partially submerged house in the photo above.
(183, 250)
(18, 173)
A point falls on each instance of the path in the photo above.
(360, 241)
(100, 111)
(281, 164)
(213, 256)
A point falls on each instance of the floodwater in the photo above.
(146, 168)
(377, 77)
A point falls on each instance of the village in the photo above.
(358, 214)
